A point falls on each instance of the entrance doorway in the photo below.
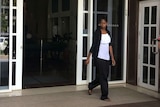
(49, 43)
(148, 62)
(89, 14)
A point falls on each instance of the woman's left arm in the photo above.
(112, 55)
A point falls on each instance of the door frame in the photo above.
(19, 44)
(140, 56)
(80, 36)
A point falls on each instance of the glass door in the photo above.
(11, 44)
(49, 43)
(4, 45)
(113, 11)
(84, 40)
(148, 62)
(89, 14)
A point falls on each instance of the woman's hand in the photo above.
(87, 61)
(113, 62)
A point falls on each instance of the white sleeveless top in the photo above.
(104, 47)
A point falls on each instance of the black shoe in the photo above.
(89, 92)
(105, 99)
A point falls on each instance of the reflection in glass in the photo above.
(4, 20)
(145, 74)
(4, 44)
(146, 15)
(145, 55)
(146, 35)
(4, 2)
(152, 76)
(154, 15)
(4, 63)
(49, 50)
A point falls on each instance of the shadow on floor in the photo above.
(142, 104)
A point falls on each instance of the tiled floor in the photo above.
(75, 96)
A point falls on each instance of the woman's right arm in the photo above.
(88, 58)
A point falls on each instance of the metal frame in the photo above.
(19, 45)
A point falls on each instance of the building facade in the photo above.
(45, 43)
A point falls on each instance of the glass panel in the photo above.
(14, 20)
(102, 5)
(85, 23)
(154, 15)
(153, 34)
(14, 48)
(49, 50)
(84, 70)
(5, 2)
(145, 55)
(145, 74)
(4, 20)
(85, 46)
(65, 5)
(152, 57)
(152, 76)
(4, 44)
(13, 73)
(146, 15)
(146, 35)
(14, 2)
(85, 4)
(65, 26)
(55, 6)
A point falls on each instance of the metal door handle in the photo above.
(154, 52)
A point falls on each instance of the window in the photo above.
(65, 5)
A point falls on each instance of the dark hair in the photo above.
(102, 18)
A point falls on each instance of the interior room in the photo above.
(49, 42)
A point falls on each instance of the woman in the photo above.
(101, 51)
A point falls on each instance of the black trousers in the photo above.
(102, 72)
